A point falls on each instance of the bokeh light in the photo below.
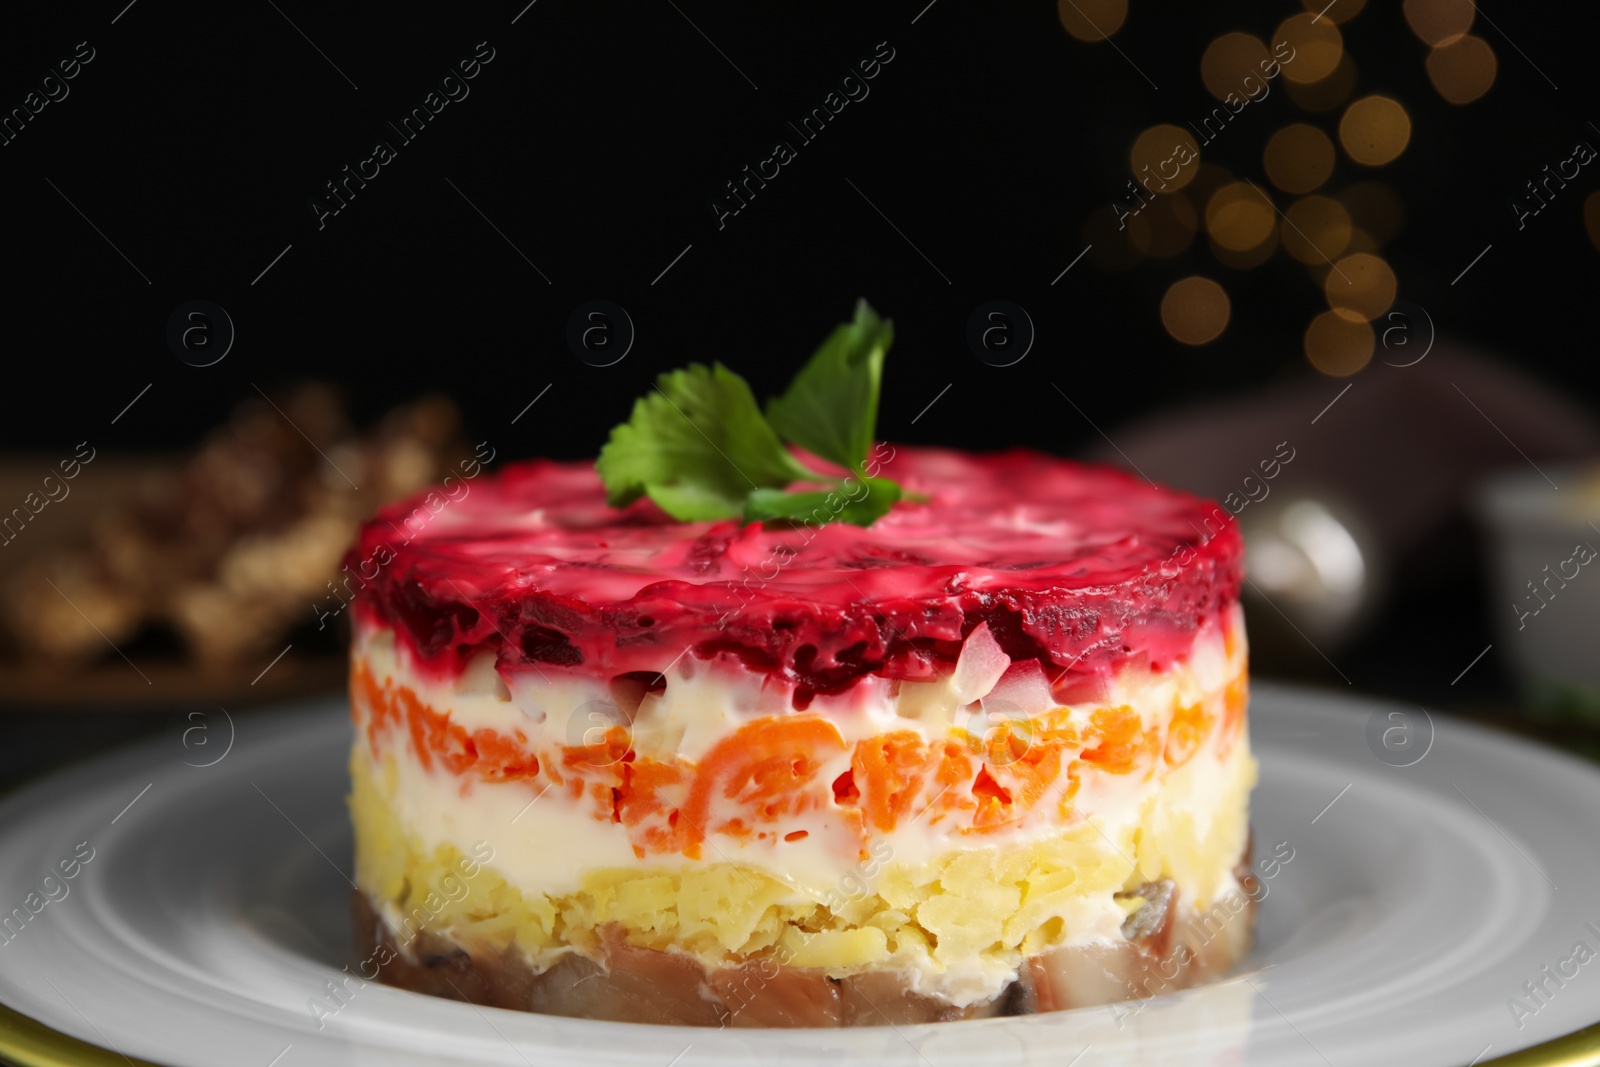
(1164, 158)
(1316, 230)
(1210, 178)
(1230, 60)
(1317, 43)
(1195, 310)
(1092, 20)
(1239, 217)
(1169, 225)
(1298, 158)
(1462, 70)
(1438, 22)
(1330, 92)
(1360, 287)
(1338, 347)
(1374, 208)
(1250, 258)
(1361, 241)
(1338, 11)
(1374, 130)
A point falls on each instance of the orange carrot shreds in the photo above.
(432, 734)
(1118, 741)
(994, 802)
(1064, 808)
(609, 752)
(550, 772)
(647, 804)
(954, 763)
(1008, 789)
(605, 801)
(502, 759)
(889, 771)
(598, 767)
(954, 768)
(1056, 725)
(1190, 725)
(737, 829)
(647, 789)
(1028, 777)
(484, 753)
(1235, 700)
(767, 768)
(367, 691)
(1003, 742)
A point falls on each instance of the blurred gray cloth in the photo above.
(1404, 446)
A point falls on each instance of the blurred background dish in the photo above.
(1542, 546)
(172, 579)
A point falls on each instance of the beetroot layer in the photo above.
(1080, 567)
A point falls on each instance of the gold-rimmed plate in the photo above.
(1432, 913)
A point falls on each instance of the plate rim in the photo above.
(30, 1043)
(27, 1042)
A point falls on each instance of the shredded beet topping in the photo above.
(1080, 567)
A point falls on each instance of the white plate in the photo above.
(1418, 902)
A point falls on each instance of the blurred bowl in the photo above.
(1545, 572)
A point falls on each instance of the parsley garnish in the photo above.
(701, 448)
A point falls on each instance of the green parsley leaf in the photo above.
(695, 503)
(831, 407)
(846, 504)
(697, 444)
(701, 449)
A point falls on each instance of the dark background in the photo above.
(591, 147)
(596, 138)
